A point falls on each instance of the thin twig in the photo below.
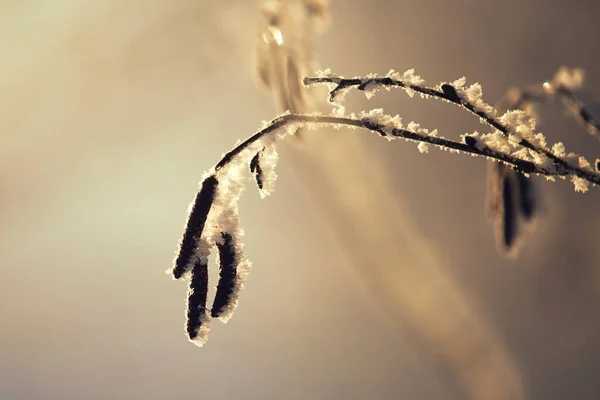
(472, 146)
(448, 93)
(579, 111)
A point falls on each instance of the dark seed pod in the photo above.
(197, 294)
(227, 275)
(257, 170)
(195, 225)
(450, 93)
(509, 213)
(527, 200)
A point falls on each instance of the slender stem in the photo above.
(579, 111)
(471, 146)
(451, 96)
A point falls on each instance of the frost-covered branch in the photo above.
(213, 220)
(471, 144)
(515, 125)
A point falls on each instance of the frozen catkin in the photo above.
(228, 268)
(194, 226)
(197, 318)
(527, 196)
(507, 218)
(256, 169)
(500, 202)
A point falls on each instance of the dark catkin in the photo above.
(227, 275)
(197, 294)
(527, 200)
(509, 214)
(256, 169)
(195, 225)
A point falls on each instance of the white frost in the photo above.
(581, 185)
(558, 149)
(409, 78)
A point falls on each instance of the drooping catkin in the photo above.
(197, 295)
(256, 169)
(501, 206)
(229, 261)
(527, 196)
(508, 213)
(194, 226)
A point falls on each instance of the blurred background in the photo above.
(375, 273)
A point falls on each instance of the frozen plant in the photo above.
(213, 219)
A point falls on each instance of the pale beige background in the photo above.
(109, 113)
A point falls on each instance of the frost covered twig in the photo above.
(215, 205)
(471, 144)
(514, 125)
